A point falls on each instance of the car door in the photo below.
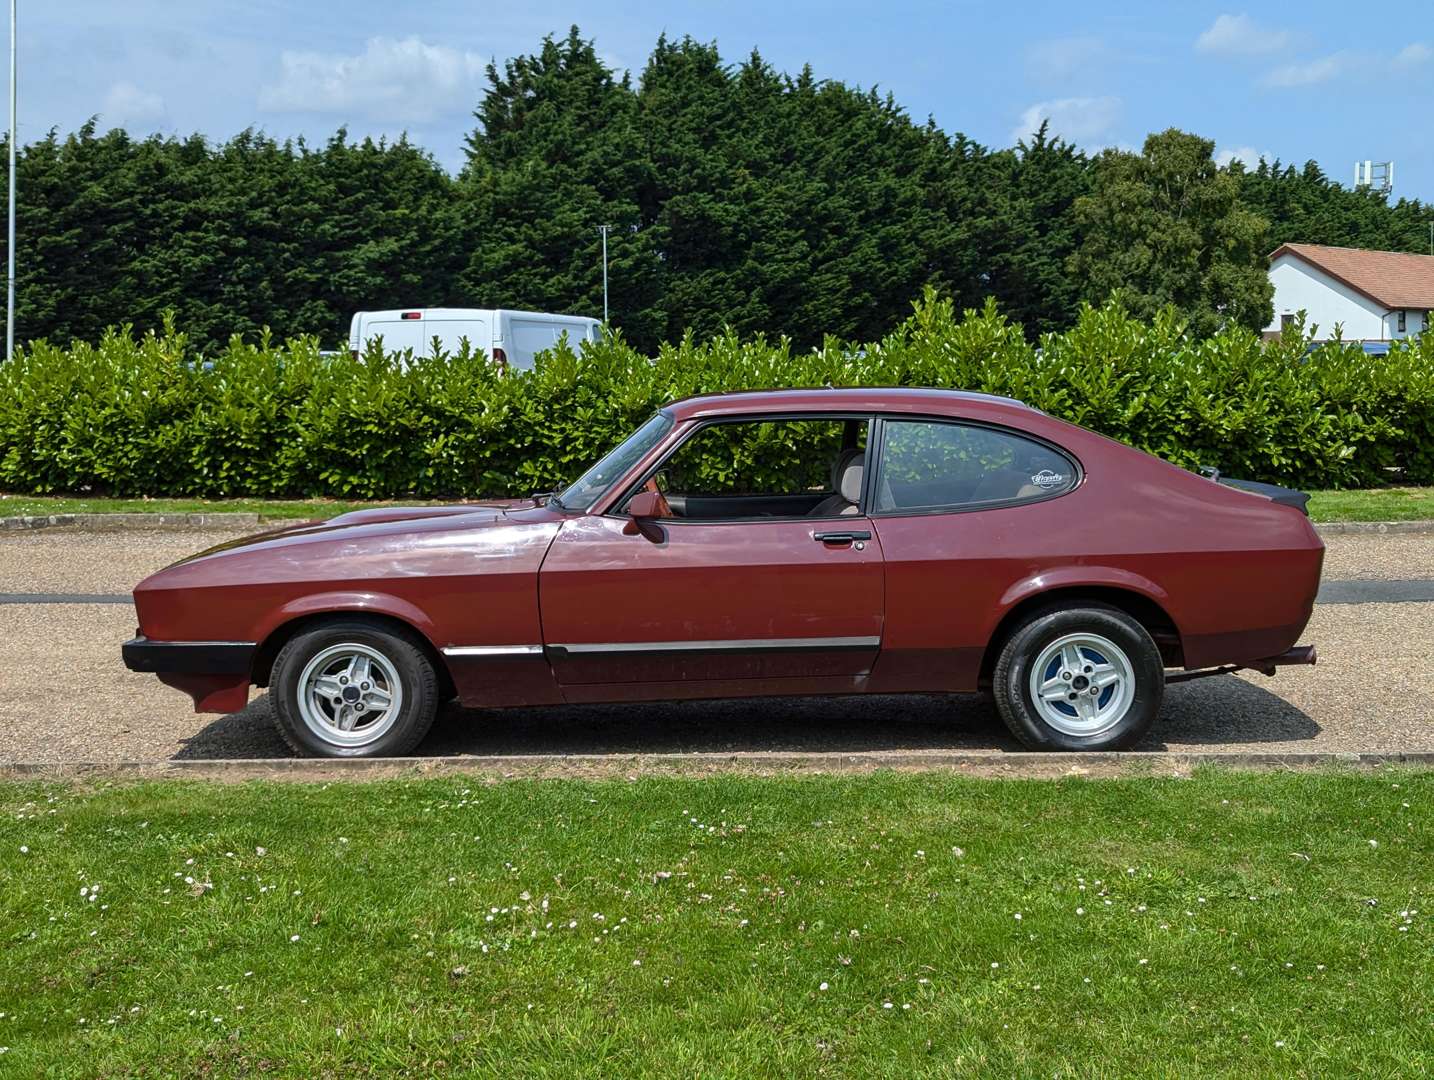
(727, 602)
(964, 510)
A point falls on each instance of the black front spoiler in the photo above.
(188, 657)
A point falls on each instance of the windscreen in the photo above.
(591, 485)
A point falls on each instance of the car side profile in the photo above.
(797, 542)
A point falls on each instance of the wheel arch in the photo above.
(280, 635)
(1141, 607)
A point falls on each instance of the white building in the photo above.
(1367, 295)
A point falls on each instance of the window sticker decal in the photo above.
(1047, 479)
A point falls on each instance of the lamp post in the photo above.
(602, 229)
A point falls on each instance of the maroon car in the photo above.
(751, 544)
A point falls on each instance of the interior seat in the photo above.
(1001, 484)
(847, 471)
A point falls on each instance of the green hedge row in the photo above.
(148, 417)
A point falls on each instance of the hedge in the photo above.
(149, 416)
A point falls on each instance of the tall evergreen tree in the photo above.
(1034, 188)
(738, 195)
(559, 153)
(1306, 206)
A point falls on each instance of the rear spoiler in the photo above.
(1282, 495)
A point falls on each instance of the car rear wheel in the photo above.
(353, 688)
(1087, 678)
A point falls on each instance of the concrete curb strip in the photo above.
(226, 519)
(538, 766)
(231, 519)
(1346, 528)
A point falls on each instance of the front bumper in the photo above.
(188, 657)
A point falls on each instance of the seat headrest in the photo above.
(848, 483)
(839, 464)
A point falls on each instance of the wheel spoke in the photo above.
(359, 669)
(1056, 689)
(377, 699)
(345, 718)
(1072, 659)
(1105, 675)
(1085, 706)
(327, 686)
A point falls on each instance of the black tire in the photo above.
(1011, 683)
(406, 659)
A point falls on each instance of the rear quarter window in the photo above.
(928, 465)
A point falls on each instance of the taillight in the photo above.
(501, 359)
(411, 315)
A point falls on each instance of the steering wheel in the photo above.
(663, 509)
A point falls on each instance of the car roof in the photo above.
(845, 399)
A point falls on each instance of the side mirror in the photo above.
(645, 509)
(645, 506)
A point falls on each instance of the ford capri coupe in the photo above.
(794, 542)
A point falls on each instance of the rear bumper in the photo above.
(188, 657)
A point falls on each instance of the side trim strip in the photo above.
(493, 650)
(732, 645)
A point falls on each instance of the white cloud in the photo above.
(1240, 35)
(391, 81)
(1076, 119)
(1247, 155)
(1308, 72)
(126, 105)
(1413, 55)
(1064, 58)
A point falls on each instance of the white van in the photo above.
(512, 338)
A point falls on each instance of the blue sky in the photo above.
(1322, 80)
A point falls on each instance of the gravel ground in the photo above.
(64, 695)
(1369, 555)
(78, 561)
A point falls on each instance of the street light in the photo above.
(602, 229)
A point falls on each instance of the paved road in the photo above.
(65, 697)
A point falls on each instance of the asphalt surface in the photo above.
(65, 696)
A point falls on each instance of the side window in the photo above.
(929, 465)
(769, 457)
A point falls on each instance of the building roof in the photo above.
(1394, 279)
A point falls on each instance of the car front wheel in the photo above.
(1087, 678)
(353, 688)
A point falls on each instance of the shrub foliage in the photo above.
(151, 416)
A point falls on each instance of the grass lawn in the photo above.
(1379, 504)
(1235, 924)
(1376, 504)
